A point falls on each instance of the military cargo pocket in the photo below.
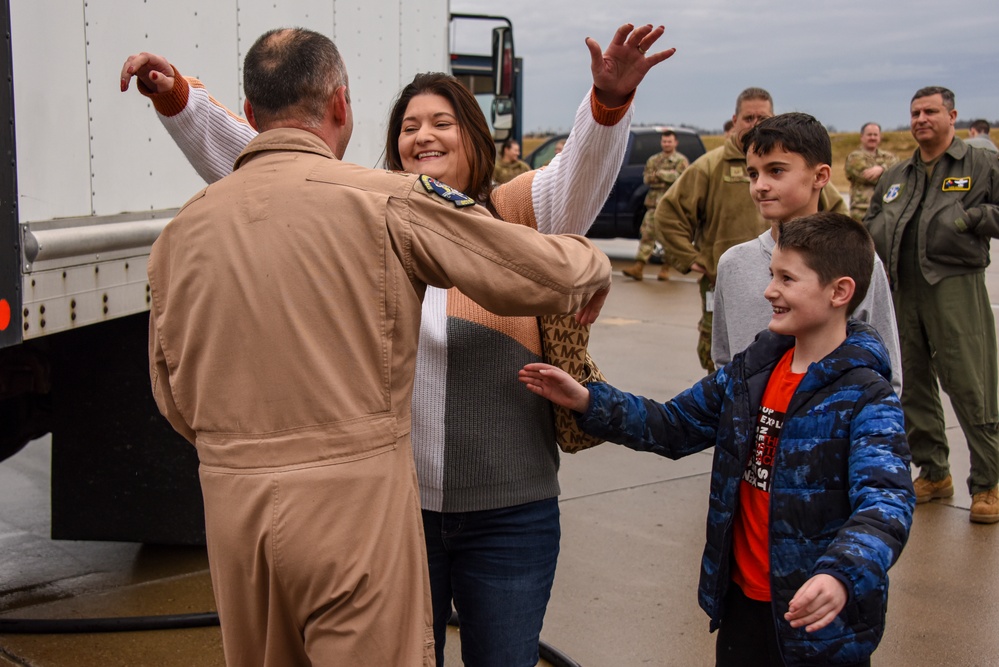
(949, 241)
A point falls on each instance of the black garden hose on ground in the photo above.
(53, 626)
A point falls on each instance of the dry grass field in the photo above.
(843, 143)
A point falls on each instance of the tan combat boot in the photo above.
(985, 506)
(927, 490)
(663, 273)
(635, 271)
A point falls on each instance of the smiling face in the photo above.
(783, 186)
(801, 303)
(431, 143)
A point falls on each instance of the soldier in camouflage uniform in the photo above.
(661, 171)
(509, 165)
(864, 167)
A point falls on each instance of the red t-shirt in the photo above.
(751, 536)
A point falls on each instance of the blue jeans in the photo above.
(498, 567)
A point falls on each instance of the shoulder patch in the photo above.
(959, 184)
(892, 194)
(446, 192)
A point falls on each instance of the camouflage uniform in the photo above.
(661, 171)
(504, 172)
(862, 189)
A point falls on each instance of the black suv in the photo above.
(625, 207)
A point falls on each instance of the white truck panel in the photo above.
(50, 97)
(96, 170)
(135, 164)
(368, 38)
(424, 38)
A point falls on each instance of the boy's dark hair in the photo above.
(981, 126)
(945, 94)
(833, 245)
(668, 133)
(794, 132)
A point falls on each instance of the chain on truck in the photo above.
(89, 180)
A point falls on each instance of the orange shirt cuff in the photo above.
(174, 100)
(607, 116)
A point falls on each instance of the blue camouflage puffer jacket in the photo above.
(841, 501)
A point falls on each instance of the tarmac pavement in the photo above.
(632, 534)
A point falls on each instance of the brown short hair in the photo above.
(292, 72)
(752, 94)
(833, 245)
(472, 124)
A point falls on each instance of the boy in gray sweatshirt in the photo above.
(788, 159)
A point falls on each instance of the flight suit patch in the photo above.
(961, 184)
(446, 192)
(893, 192)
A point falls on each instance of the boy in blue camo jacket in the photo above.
(811, 495)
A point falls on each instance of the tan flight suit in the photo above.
(283, 333)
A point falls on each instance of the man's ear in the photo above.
(248, 113)
(822, 175)
(340, 103)
(843, 289)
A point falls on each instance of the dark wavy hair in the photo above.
(475, 134)
(795, 132)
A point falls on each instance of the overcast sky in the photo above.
(846, 62)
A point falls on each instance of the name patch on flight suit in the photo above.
(962, 184)
(446, 192)
(893, 192)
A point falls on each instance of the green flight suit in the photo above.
(932, 231)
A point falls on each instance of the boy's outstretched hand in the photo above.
(817, 603)
(556, 385)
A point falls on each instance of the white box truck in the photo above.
(88, 180)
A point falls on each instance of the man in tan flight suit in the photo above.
(283, 332)
(709, 209)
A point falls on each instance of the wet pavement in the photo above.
(632, 533)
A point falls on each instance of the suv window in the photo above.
(544, 154)
(645, 146)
